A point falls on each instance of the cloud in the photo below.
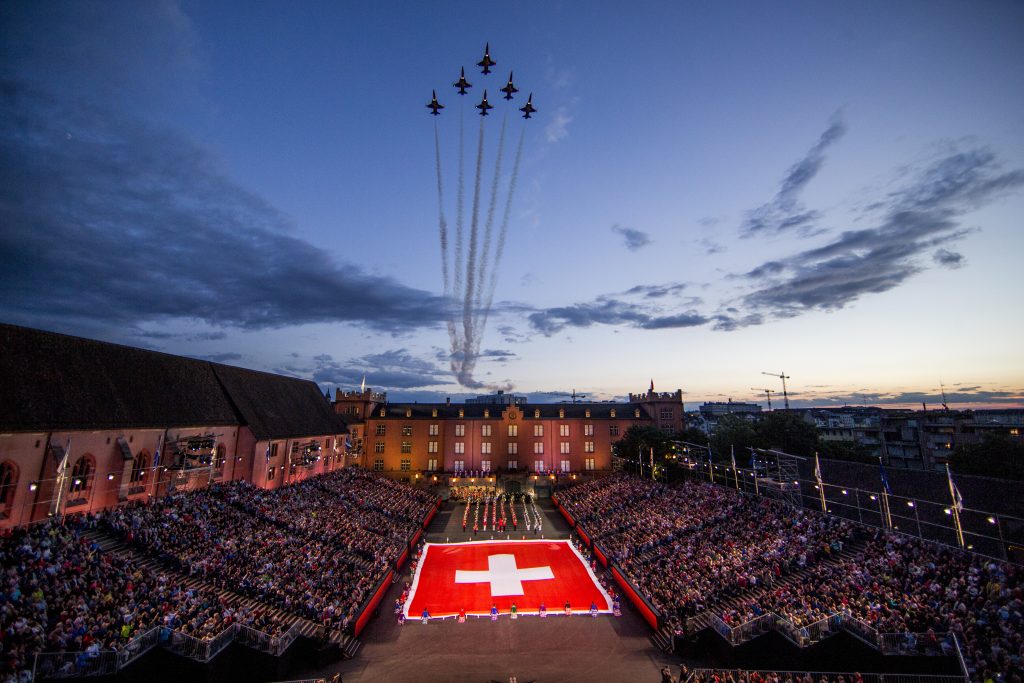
(558, 127)
(657, 291)
(221, 357)
(950, 259)
(607, 310)
(634, 239)
(784, 212)
(917, 218)
(109, 219)
(710, 246)
(396, 369)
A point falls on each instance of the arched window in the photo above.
(139, 468)
(80, 475)
(8, 484)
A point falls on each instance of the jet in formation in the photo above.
(462, 83)
(434, 105)
(529, 108)
(509, 89)
(484, 105)
(487, 62)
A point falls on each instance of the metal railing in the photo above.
(138, 646)
(706, 675)
(74, 664)
(737, 635)
(264, 642)
(915, 644)
(201, 649)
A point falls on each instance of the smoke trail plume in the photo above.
(442, 224)
(483, 270)
(467, 308)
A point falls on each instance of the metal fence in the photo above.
(737, 635)
(138, 646)
(201, 649)
(985, 533)
(264, 642)
(706, 675)
(74, 664)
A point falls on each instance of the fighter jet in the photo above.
(484, 105)
(434, 104)
(509, 89)
(462, 83)
(487, 62)
(529, 108)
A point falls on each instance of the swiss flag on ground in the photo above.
(473, 576)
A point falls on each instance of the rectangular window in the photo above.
(565, 465)
(513, 464)
(485, 447)
(460, 447)
(513, 448)
(405, 465)
(273, 450)
(588, 464)
(406, 430)
(433, 430)
(485, 430)
(666, 413)
(378, 447)
(613, 430)
(588, 446)
(513, 430)
(432, 447)
(485, 465)
(382, 430)
(563, 430)
(538, 430)
(538, 447)
(588, 430)
(538, 465)
(460, 430)
(459, 465)
(378, 465)
(270, 473)
(563, 447)
(432, 465)
(407, 446)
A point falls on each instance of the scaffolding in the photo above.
(778, 474)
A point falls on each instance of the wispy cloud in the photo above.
(632, 238)
(950, 259)
(558, 127)
(785, 212)
(395, 369)
(609, 310)
(916, 219)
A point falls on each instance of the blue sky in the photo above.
(708, 191)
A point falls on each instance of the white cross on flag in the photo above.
(474, 576)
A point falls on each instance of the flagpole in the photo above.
(62, 468)
(957, 504)
(886, 515)
(735, 472)
(821, 485)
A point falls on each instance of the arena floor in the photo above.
(578, 648)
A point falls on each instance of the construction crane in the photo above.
(768, 393)
(783, 376)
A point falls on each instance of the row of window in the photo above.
(485, 447)
(405, 465)
(486, 430)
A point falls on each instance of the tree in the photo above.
(638, 441)
(787, 432)
(997, 455)
(732, 431)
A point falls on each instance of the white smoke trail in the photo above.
(442, 224)
(457, 292)
(468, 327)
(502, 232)
(483, 268)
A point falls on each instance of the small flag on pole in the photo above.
(817, 469)
(885, 480)
(958, 500)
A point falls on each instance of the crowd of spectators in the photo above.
(737, 676)
(696, 546)
(691, 546)
(59, 593)
(315, 549)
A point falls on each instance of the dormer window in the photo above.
(613, 412)
(433, 413)
(561, 413)
(408, 412)
(383, 412)
(588, 412)
(636, 412)
(536, 412)
(462, 412)
(487, 412)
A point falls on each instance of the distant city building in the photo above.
(717, 409)
(498, 399)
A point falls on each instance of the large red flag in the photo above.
(474, 576)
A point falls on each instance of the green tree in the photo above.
(639, 440)
(997, 455)
(732, 431)
(787, 432)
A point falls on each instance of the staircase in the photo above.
(663, 639)
(109, 543)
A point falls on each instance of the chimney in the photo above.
(448, 401)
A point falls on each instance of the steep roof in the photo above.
(54, 381)
(274, 406)
(548, 411)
